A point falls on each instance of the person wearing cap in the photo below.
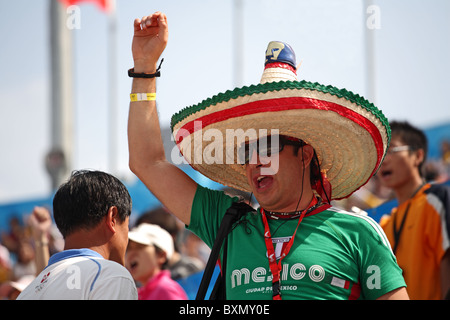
(92, 211)
(150, 248)
(300, 145)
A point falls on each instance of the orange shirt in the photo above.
(422, 242)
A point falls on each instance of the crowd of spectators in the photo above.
(20, 259)
(19, 263)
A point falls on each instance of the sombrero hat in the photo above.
(349, 134)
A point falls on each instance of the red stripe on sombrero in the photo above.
(280, 65)
(281, 104)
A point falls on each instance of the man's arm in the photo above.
(147, 160)
(40, 222)
(397, 294)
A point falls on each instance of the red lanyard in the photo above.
(275, 268)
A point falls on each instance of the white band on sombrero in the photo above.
(350, 135)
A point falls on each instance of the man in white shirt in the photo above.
(92, 213)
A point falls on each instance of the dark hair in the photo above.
(161, 217)
(84, 200)
(411, 136)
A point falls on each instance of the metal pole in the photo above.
(238, 44)
(59, 159)
(113, 107)
(370, 54)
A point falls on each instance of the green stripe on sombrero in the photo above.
(278, 86)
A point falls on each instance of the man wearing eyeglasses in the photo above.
(418, 229)
(330, 142)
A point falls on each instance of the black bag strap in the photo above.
(232, 215)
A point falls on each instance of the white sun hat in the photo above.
(151, 234)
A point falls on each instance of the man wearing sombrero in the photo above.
(296, 146)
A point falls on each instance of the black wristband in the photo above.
(132, 74)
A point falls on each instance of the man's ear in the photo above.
(111, 219)
(308, 153)
(420, 156)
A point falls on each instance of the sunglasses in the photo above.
(393, 150)
(265, 147)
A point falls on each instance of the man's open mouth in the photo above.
(262, 182)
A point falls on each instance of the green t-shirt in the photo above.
(335, 255)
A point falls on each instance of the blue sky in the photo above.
(411, 67)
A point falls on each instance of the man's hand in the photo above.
(151, 34)
(40, 222)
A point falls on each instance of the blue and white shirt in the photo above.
(81, 274)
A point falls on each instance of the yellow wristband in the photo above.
(142, 97)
